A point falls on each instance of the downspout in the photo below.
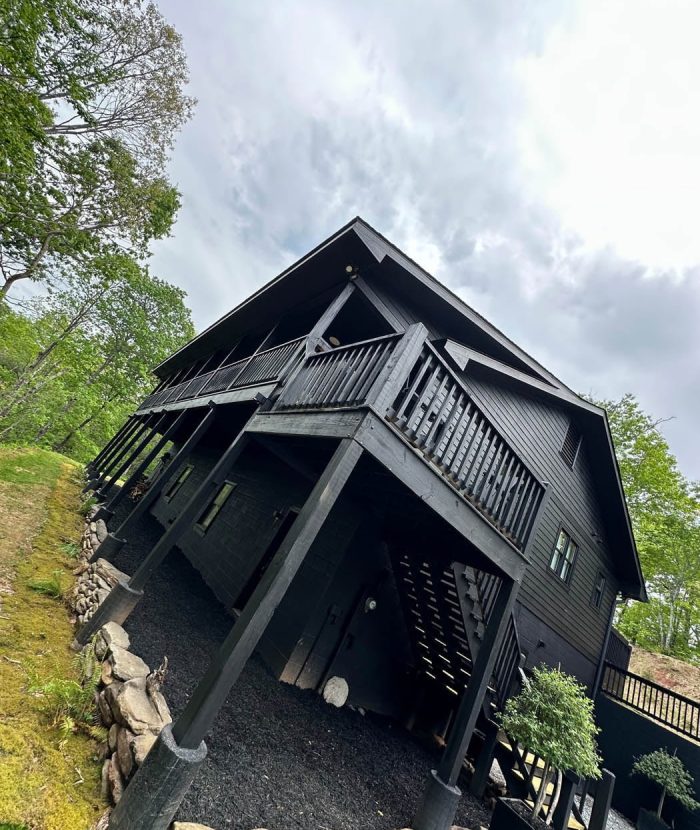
(604, 651)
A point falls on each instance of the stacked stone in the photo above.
(93, 536)
(130, 706)
(95, 580)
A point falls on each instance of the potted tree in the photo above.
(553, 718)
(669, 773)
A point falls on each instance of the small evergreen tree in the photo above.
(670, 774)
(553, 718)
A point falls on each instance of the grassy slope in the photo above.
(45, 783)
(670, 672)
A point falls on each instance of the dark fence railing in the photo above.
(437, 414)
(619, 651)
(663, 705)
(338, 378)
(262, 367)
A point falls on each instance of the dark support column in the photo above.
(441, 797)
(114, 446)
(560, 820)
(122, 449)
(116, 541)
(107, 511)
(144, 805)
(482, 768)
(601, 803)
(145, 438)
(97, 460)
(124, 597)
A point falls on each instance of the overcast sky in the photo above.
(541, 159)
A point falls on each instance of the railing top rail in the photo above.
(469, 394)
(653, 685)
(274, 348)
(336, 349)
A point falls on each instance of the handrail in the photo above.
(674, 710)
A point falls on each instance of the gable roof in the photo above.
(322, 271)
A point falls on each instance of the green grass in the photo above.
(31, 466)
(50, 586)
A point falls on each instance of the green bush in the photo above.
(553, 718)
(670, 774)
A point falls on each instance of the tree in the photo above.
(553, 718)
(92, 97)
(670, 774)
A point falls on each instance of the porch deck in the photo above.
(279, 757)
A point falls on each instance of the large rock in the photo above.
(101, 530)
(125, 665)
(124, 754)
(141, 746)
(134, 708)
(111, 634)
(188, 825)
(115, 782)
(105, 709)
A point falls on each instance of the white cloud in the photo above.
(540, 159)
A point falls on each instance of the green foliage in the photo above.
(670, 774)
(553, 718)
(87, 505)
(70, 549)
(665, 512)
(51, 586)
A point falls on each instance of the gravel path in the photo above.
(279, 757)
(616, 821)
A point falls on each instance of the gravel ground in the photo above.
(616, 821)
(279, 757)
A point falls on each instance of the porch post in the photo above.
(114, 542)
(154, 795)
(119, 453)
(124, 597)
(146, 437)
(107, 511)
(97, 460)
(442, 795)
(113, 446)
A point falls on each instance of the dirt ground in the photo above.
(667, 671)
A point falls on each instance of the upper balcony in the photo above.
(404, 381)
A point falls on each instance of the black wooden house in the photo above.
(381, 487)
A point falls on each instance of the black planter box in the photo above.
(506, 817)
(648, 820)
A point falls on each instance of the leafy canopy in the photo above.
(670, 774)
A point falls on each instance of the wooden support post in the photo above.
(109, 446)
(124, 597)
(442, 794)
(115, 541)
(145, 439)
(123, 448)
(560, 820)
(482, 768)
(107, 511)
(601, 803)
(224, 670)
(385, 389)
(113, 447)
(146, 805)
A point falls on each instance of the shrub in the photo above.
(670, 774)
(553, 718)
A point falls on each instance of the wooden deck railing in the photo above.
(262, 367)
(675, 711)
(433, 410)
(436, 413)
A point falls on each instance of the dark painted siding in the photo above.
(537, 431)
(232, 547)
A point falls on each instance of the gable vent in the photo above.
(572, 442)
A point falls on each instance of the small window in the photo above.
(563, 556)
(571, 446)
(598, 591)
(214, 508)
(174, 488)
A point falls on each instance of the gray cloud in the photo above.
(408, 115)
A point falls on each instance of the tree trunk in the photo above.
(542, 792)
(555, 798)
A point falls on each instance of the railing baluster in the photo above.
(354, 369)
(446, 391)
(397, 414)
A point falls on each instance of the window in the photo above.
(214, 508)
(562, 561)
(598, 591)
(571, 446)
(174, 488)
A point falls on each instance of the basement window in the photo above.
(563, 556)
(215, 506)
(571, 446)
(174, 488)
(598, 590)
